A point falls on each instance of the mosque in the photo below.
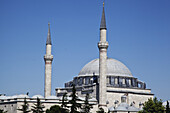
(108, 81)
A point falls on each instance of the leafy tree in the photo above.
(167, 107)
(57, 109)
(2, 111)
(64, 101)
(87, 106)
(24, 108)
(73, 101)
(101, 110)
(153, 106)
(38, 107)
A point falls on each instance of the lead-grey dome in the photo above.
(114, 68)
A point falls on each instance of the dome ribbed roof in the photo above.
(114, 68)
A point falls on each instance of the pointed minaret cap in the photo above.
(103, 20)
(48, 42)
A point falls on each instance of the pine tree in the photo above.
(153, 106)
(73, 101)
(38, 107)
(87, 106)
(167, 107)
(24, 108)
(64, 101)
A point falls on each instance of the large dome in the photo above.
(114, 68)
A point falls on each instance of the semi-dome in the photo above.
(114, 68)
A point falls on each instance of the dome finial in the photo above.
(103, 3)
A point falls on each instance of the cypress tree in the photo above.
(24, 108)
(87, 106)
(38, 107)
(73, 101)
(64, 101)
(167, 107)
(153, 106)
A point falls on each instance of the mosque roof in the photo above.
(114, 68)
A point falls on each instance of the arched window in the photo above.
(112, 80)
(120, 81)
(87, 80)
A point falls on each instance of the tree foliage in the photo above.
(38, 107)
(2, 111)
(24, 108)
(153, 106)
(64, 101)
(57, 109)
(74, 105)
(167, 107)
(86, 108)
(101, 110)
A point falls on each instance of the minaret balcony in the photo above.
(103, 45)
(48, 57)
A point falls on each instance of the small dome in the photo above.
(3, 97)
(52, 97)
(114, 68)
(111, 109)
(22, 96)
(14, 96)
(93, 99)
(122, 107)
(37, 96)
(133, 109)
(81, 98)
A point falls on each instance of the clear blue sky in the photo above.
(138, 35)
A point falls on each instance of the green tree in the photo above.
(2, 111)
(86, 108)
(101, 110)
(24, 108)
(153, 106)
(64, 101)
(57, 109)
(38, 107)
(167, 107)
(73, 101)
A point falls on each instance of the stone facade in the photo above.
(11, 104)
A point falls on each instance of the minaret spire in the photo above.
(103, 20)
(48, 58)
(102, 45)
(49, 35)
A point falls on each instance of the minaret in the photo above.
(48, 65)
(102, 45)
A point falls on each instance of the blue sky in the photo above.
(138, 35)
